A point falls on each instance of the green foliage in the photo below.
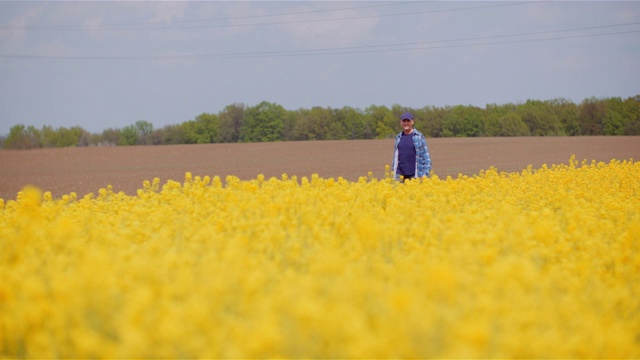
(23, 137)
(354, 123)
(613, 122)
(463, 121)
(263, 123)
(452, 124)
(173, 134)
(136, 134)
(317, 124)
(230, 120)
(567, 113)
(128, 135)
(384, 131)
(62, 136)
(632, 116)
(512, 125)
(473, 121)
(110, 137)
(591, 116)
(202, 130)
(430, 120)
(540, 118)
(378, 119)
(143, 130)
(496, 119)
(271, 122)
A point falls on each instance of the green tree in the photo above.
(378, 119)
(157, 137)
(82, 136)
(473, 121)
(540, 118)
(632, 115)
(318, 124)
(111, 137)
(354, 123)
(174, 134)
(190, 129)
(429, 120)
(614, 121)
(389, 125)
(67, 137)
(202, 130)
(23, 137)
(263, 123)
(512, 125)
(336, 128)
(62, 136)
(143, 130)
(48, 136)
(591, 117)
(128, 135)
(567, 113)
(289, 122)
(302, 126)
(462, 121)
(494, 115)
(231, 119)
(384, 131)
(95, 139)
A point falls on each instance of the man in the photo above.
(411, 156)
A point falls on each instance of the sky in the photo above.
(108, 64)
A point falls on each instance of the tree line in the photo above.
(267, 122)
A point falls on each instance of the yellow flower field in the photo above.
(538, 264)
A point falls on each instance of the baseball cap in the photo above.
(406, 115)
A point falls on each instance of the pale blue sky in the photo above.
(105, 64)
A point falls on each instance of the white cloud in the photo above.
(572, 68)
(15, 33)
(167, 11)
(334, 29)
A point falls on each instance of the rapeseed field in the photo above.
(541, 263)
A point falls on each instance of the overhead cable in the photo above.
(415, 46)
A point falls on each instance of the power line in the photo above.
(172, 26)
(250, 16)
(142, 24)
(476, 44)
(413, 13)
(414, 46)
(391, 46)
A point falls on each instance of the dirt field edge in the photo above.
(86, 170)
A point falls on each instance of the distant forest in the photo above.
(266, 122)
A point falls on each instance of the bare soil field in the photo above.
(86, 170)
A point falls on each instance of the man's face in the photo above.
(406, 124)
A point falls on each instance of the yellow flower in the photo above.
(537, 263)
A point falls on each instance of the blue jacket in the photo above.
(423, 160)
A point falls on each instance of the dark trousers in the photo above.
(406, 177)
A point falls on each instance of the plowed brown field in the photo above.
(86, 170)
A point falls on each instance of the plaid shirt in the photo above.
(423, 160)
